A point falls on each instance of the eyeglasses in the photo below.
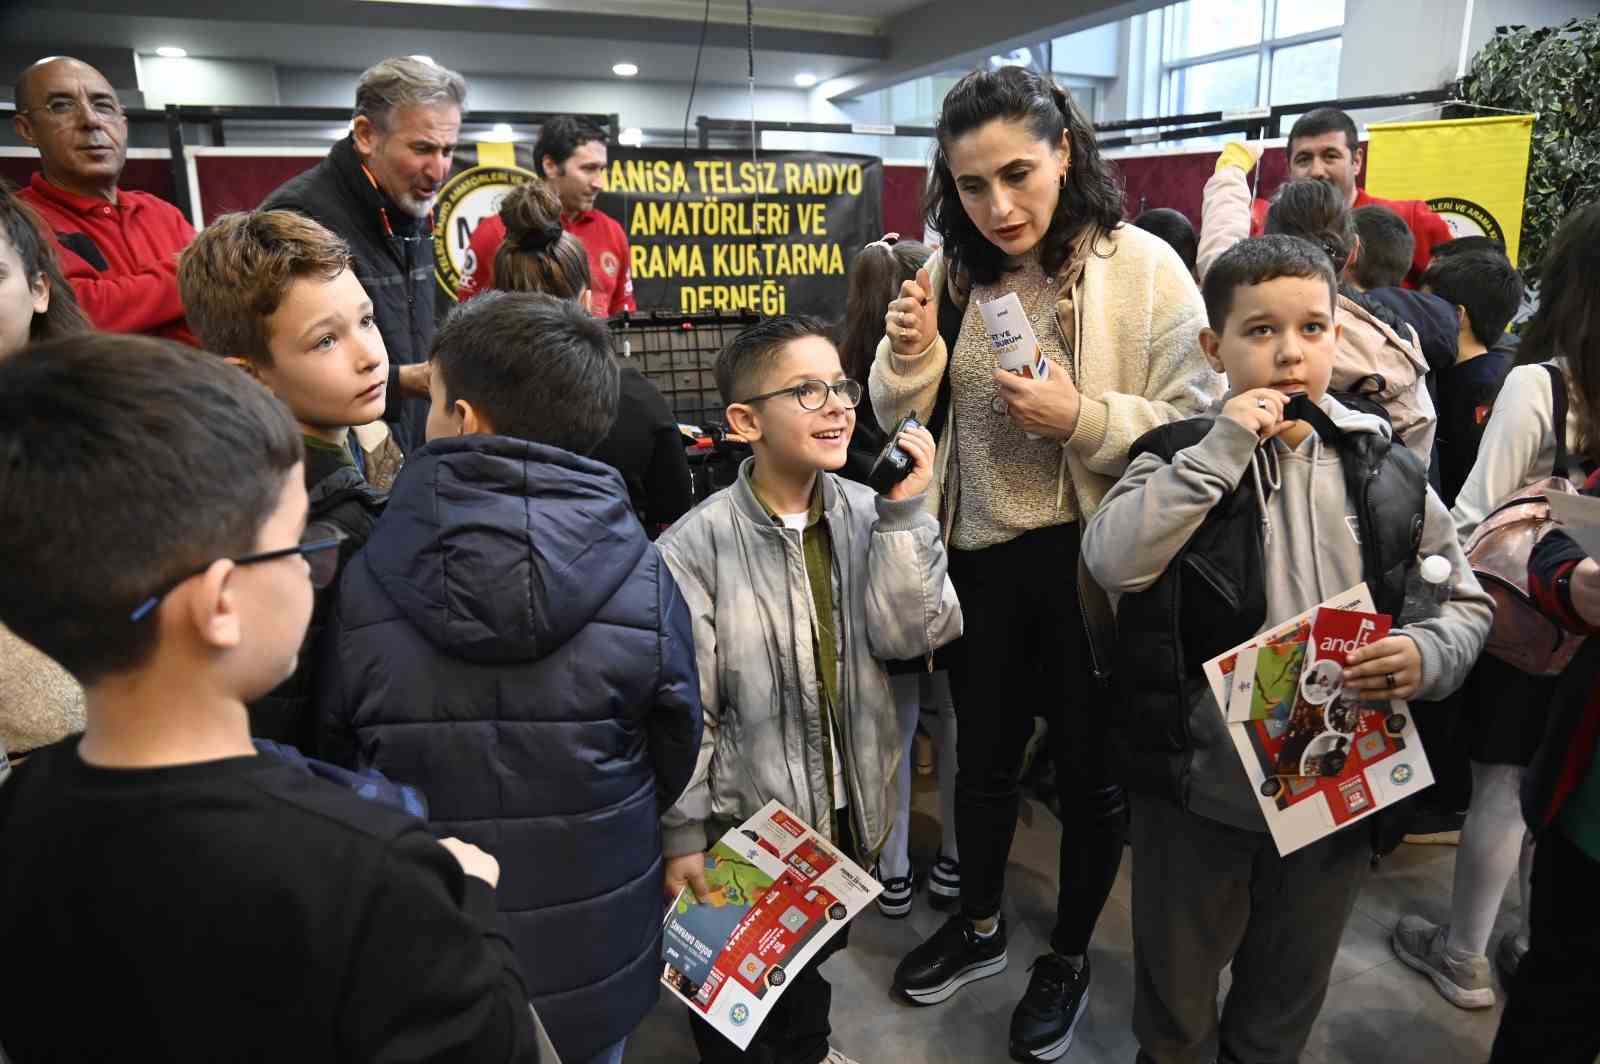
(813, 395)
(318, 545)
(62, 107)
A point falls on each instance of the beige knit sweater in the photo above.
(39, 702)
(1134, 317)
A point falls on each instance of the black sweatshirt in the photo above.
(645, 446)
(240, 910)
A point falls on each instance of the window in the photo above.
(1228, 55)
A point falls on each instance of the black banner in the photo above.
(717, 230)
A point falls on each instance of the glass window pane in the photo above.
(1200, 27)
(1303, 16)
(1222, 86)
(1306, 72)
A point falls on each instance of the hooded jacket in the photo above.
(744, 577)
(1434, 320)
(1196, 582)
(393, 254)
(510, 643)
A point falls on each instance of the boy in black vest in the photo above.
(1220, 527)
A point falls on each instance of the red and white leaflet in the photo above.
(1321, 757)
(778, 892)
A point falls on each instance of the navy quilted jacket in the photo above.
(510, 643)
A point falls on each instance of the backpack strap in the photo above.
(1558, 414)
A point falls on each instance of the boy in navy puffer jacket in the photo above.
(510, 642)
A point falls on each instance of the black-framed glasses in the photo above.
(318, 545)
(62, 107)
(813, 394)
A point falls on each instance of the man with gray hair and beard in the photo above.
(376, 189)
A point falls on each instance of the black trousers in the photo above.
(1555, 998)
(1025, 654)
(796, 1031)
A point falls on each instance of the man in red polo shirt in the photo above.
(1324, 144)
(572, 156)
(118, 248)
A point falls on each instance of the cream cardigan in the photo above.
(1135, 320)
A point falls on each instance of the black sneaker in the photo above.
(944, 884)
(952, 957)
(1042, 1025)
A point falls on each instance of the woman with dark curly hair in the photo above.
(1028, 208)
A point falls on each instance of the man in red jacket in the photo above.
(1324, 144)
(119, 249)
(571, 155)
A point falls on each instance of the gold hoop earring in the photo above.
(1063, 179)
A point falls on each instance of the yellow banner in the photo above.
(1472, 171)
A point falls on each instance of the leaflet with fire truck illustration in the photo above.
(779, 891)
(1319, 757)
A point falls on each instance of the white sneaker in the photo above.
(1466, 984)
(836, 1057)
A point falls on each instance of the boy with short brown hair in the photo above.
(274, 293)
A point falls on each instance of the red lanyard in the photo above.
(383, 212)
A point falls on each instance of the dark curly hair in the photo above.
(1093, 196)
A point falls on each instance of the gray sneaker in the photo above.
(1465, 984)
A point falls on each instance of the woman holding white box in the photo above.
(1031, 216)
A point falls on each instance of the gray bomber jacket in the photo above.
(744, 578)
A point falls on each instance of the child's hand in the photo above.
(918, 444)
(1260, 410)
(473, 861)
(1390, 667)
(688, 870)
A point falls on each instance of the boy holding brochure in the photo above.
(1221, 527)
(800, 585)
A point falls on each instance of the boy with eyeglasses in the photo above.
(273, 292)
(801, 585)
(211, 902)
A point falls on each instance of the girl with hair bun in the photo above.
(537, 255)
(645, 444)
(1029, 209)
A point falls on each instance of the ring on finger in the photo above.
(1389, 678)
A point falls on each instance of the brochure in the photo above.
(1317, 757)
(779, 891)
(1579, 517)
(1015, 343)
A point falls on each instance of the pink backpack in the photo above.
(1498, 551)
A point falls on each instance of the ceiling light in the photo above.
(425, 59)
(625, 70)
(502, 131)
(805, 81)
(167, 51)
(631, 137)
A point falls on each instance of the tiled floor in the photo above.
(1378, 1011)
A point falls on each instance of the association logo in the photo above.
(465, 200)
(1400, 775)
(1466, 218)
(609, 263)
(739, 1015)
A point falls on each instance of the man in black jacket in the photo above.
(376, 190)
